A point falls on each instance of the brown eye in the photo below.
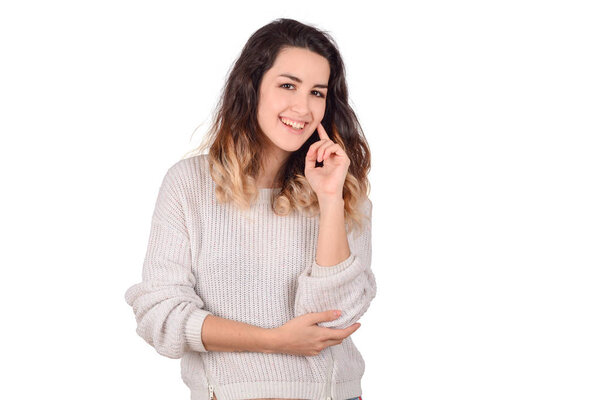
(316, 92)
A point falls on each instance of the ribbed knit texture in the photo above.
(252, 266)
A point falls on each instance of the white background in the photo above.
(483, 122)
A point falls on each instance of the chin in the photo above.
(289, 149)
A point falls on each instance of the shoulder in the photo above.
(190, 181)
(366, 207)
(366, 211)
(188, 167)
(188, 171)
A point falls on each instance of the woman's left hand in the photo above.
(327, 181)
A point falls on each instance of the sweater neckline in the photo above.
(265, 194)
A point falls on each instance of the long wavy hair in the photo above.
(235, 140)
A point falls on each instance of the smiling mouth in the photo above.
(298, 126)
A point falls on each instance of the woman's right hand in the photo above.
(303, 337)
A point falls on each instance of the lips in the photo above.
(291, 120)
(294, 130)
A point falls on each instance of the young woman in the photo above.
(256, 246)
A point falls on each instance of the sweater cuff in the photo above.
(193, 330)
(320, 271)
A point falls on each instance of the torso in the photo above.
(270, 398)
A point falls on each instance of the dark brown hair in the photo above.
(235, 138)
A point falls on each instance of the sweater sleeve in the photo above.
(348, 286)
(168, 311)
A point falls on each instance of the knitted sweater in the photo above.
(253, 266)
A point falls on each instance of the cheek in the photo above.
(319, 106)
(277, 105)
(267, 115)
(319, 112)
(266, 104)
(322, 110)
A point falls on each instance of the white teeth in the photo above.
(294, 125)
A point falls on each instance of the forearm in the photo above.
(332, 243)
(349, 285)
(221, 334)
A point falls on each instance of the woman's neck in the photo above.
(267, 176)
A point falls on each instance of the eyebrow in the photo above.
(296, 79)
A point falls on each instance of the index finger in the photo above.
(322, 132)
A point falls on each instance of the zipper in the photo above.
(330, 375)
(211, 387)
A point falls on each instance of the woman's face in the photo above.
(298, 98)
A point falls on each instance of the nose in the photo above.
(300, 104)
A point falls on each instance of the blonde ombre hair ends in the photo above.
(235, 141)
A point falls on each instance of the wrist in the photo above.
(270, 341)
(331, 202)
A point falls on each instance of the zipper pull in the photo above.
(210, 392)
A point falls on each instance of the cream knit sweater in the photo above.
(256, 267)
